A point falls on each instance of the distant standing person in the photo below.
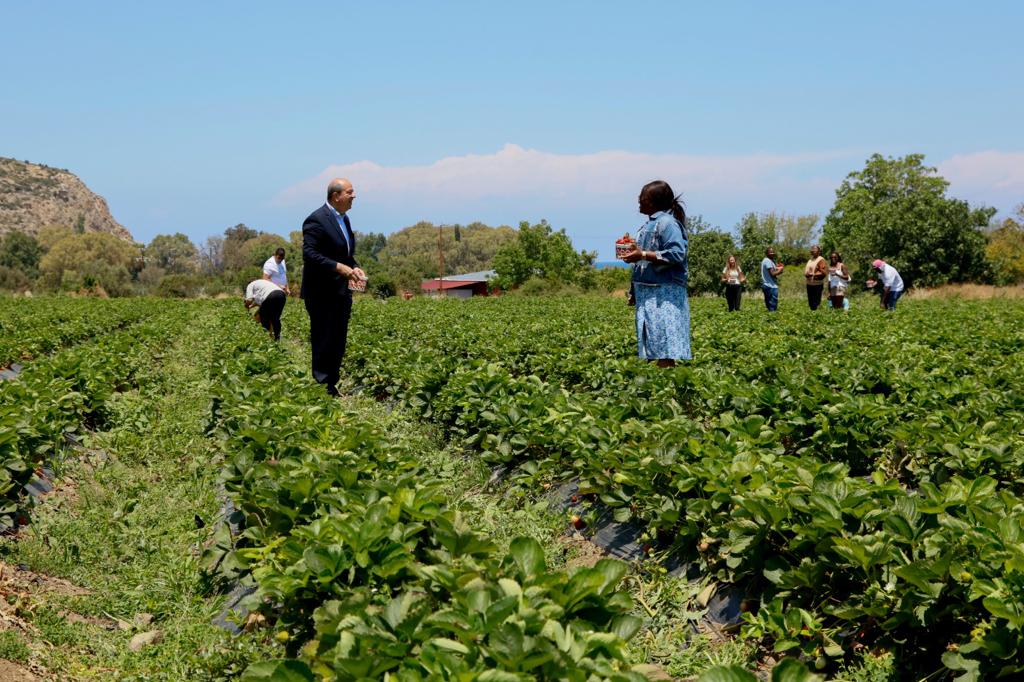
(660, 278)
(732, 275)
(275, 270)
(838, 280)
(892, 284)
(815, 273)
(328, 265)
(270, 298)
(769, 285)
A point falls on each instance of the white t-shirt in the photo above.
(891, 279)
(277, 271)
(259, 289)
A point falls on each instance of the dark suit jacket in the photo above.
(322, 249)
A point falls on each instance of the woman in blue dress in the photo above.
(660, 277)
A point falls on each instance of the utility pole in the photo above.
(440, 257)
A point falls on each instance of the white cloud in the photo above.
(528, 173)
(992, 177)
(594, 195)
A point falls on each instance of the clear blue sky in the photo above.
(192, 117)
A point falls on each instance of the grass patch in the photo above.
(131, 540)
(976, 292)
(502, 511)
(54, 629)
(13, 646)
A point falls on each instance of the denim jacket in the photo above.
(664, 235)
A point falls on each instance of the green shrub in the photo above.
(13, 280)
(180, 286)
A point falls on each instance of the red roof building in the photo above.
(459, 286)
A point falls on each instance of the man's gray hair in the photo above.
(335, 186)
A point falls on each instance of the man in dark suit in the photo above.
(328, 265)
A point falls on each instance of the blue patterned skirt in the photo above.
(662, 322)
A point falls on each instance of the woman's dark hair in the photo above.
(662, 198)
(839, 256)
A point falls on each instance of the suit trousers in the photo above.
(328, 330)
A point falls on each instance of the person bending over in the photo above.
(270, 299)
(892, 284)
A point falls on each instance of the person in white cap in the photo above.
(892, 283)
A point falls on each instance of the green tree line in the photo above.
(896, 209)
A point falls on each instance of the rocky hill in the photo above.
(33, 196)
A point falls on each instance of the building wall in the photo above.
(468, 290)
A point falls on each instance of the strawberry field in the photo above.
(858, 475)
(853, 480)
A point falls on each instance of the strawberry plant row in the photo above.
(62, 393)
(859, 473)
(30, 327)
(834, 390)
(366, 570)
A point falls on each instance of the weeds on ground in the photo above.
(130, 538)
(870, 667)
(13, 646)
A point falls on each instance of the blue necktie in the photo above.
(344, 234)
